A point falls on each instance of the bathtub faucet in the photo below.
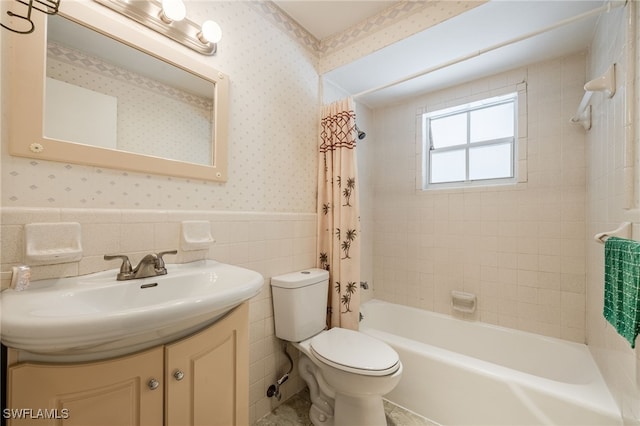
(364, 285)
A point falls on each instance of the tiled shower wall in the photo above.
(520, 248)
(608, 201)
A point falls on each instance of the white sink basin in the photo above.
(94, 316)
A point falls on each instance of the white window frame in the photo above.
(428, 150)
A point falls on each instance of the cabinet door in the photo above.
(208, 374)
(110, 392)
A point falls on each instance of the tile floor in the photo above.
(295, 412)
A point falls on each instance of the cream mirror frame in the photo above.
(27, 73)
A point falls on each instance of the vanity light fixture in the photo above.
(169, 19)
(210, 32)
(172, 10)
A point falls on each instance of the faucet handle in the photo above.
(160, 263)
(125, 268)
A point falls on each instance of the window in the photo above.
(471, 144)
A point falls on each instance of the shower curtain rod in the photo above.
(597, 11)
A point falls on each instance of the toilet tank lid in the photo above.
(300, 278)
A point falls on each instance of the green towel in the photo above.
(622, 286)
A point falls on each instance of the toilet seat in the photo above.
(355, 352)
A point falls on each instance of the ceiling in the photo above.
(324, 18)
(478, 30)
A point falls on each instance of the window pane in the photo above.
(449, 131)
(490, 162)
(448, 166)
(492, 123)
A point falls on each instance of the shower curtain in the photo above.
(338, 213)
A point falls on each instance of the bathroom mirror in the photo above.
(75, 97)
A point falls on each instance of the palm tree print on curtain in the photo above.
(338, 212)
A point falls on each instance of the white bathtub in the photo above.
(470, 373)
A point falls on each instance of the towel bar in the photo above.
(622, 231)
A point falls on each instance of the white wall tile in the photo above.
(136, 233)
(517, 240)
(606, 206)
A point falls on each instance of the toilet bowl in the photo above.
(352, 369)
(347, 372)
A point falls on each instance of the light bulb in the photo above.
(210, 32)
(172, 10)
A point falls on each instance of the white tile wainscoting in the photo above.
(269, 243)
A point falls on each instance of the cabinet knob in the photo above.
(153, 384)
(178, 374)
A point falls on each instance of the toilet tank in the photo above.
(300, 303)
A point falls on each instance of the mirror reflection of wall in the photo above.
(155, 114)
(76, 114)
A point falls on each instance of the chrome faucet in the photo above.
(151, 265)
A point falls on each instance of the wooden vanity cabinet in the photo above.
(207, 375)
(202, 379)
(111, 392)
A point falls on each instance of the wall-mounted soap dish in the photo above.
(52, 243)
(196, 235)
(463, 302)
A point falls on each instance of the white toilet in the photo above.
(347, 372)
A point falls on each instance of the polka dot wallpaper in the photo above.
(273, 66)
(272, 135)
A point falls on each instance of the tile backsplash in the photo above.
(269, 243)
